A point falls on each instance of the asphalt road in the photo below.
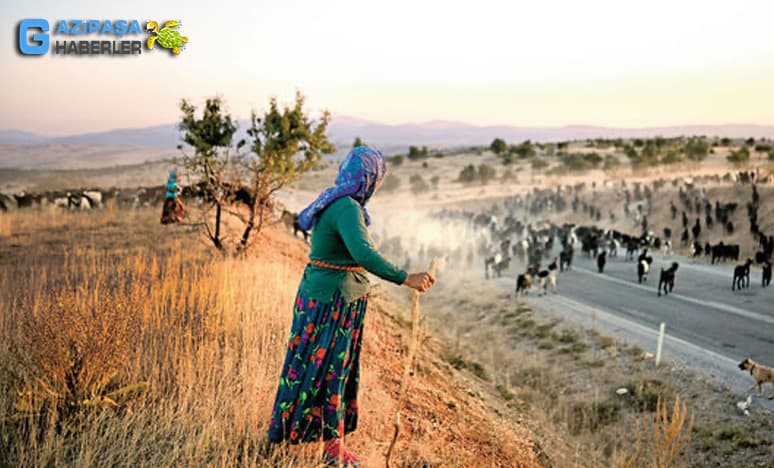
(708, 326)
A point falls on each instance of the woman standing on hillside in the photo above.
(317, 395)
(173, 210)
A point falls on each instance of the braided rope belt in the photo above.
(329, 266)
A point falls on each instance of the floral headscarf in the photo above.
(360, 174)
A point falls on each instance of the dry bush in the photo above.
(664, 439)
(137, 303)
(70, 351)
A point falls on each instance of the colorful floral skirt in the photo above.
(317, 394)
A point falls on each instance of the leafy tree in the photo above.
(762, 148)
(638, 142)
(524, 149)
(507, 159)
(725, 141)
(486, 173)
(210, 136)
(562, 146)
(740, 156)
(358, 142)
(750, 141)
(417, 153)
(283, 145)
(697, 149)
(498, 146)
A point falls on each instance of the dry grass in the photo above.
(568, 392)
(664, 439)
(80, 320)
(124, 343)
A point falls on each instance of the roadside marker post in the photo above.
(660, 345)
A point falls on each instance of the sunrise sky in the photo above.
(547, 63)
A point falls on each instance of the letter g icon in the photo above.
(38, 43)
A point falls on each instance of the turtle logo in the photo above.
(166, 37)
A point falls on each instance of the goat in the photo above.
(667, 279)
(601, 261)
(766, 277)
(524, 282)
(742, 275)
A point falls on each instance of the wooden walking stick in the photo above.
(412, 351)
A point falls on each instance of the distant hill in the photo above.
(18, 137)
(161, 140)
(343, 131)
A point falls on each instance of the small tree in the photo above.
(210, 136)
(697, 149)
(740, 156)
(284, 144)
(415, 152)
(498, 146)
(524, 149)
(358, 142)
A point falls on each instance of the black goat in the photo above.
(667, 279)
(766, 279)
(742, 275)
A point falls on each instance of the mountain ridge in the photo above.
(435, 133)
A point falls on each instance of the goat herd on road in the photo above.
(500, 232)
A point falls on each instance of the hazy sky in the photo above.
(538, 63)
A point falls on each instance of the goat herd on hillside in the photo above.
(499, 233)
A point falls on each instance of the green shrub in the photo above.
(611, 162)
(467, 174)
(396, 160)
(391, 183)
(538, 164)
(418, 184)
(486, 173)
(740, 156)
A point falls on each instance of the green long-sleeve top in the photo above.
(340, 237)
